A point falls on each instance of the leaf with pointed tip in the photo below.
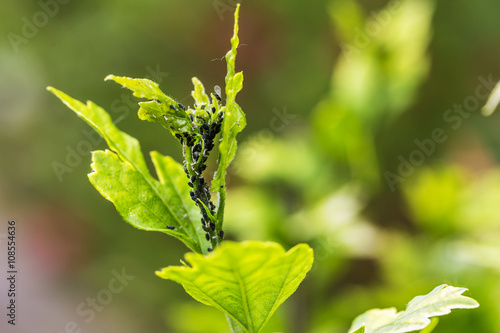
(122, 177)
(126, 146)
(158, 108)
(438, 302)
(199, 94)
(142, 88)
(234, 120)
(247, 281)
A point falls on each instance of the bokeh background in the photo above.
(364, 139)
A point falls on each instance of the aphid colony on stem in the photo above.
(205, 122)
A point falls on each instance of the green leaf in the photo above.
(438, 302)
(234, 120)
(430, 328)
(124, 145)
(198, 93)
(160, 107)
(122, 177)
(142, 88)
(247, 281)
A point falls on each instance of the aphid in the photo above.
(209, 249)
(181, 106)
(221, 234)
(207, 236)
(217, 93)
(172, 127)
(213, 109)
(170, 227)
(190, 184)
(172, 107)
(212, 226)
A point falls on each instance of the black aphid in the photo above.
(172, 107)
(207, 236)
(181, 106)
(221, 234)
(170, 227)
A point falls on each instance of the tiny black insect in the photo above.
(181, 106)
(172, 107)
(172, 127)
(207, 236)
(221, 234)
(170, 227)
(209, 249)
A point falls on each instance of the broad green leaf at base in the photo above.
(438, 302)
(248, 281)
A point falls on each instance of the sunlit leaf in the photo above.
(121, 176)
(159, 107)
(234, 120)
(417, 315)
(248, 281)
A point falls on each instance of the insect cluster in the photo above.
(205, 122)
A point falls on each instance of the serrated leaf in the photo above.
(247, 281)
(158, 108)
(198, 93)
(126, 146)
(122, 177)
(234, 120)
(142, 88)
(438, 302)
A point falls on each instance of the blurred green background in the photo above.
(364, 139)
